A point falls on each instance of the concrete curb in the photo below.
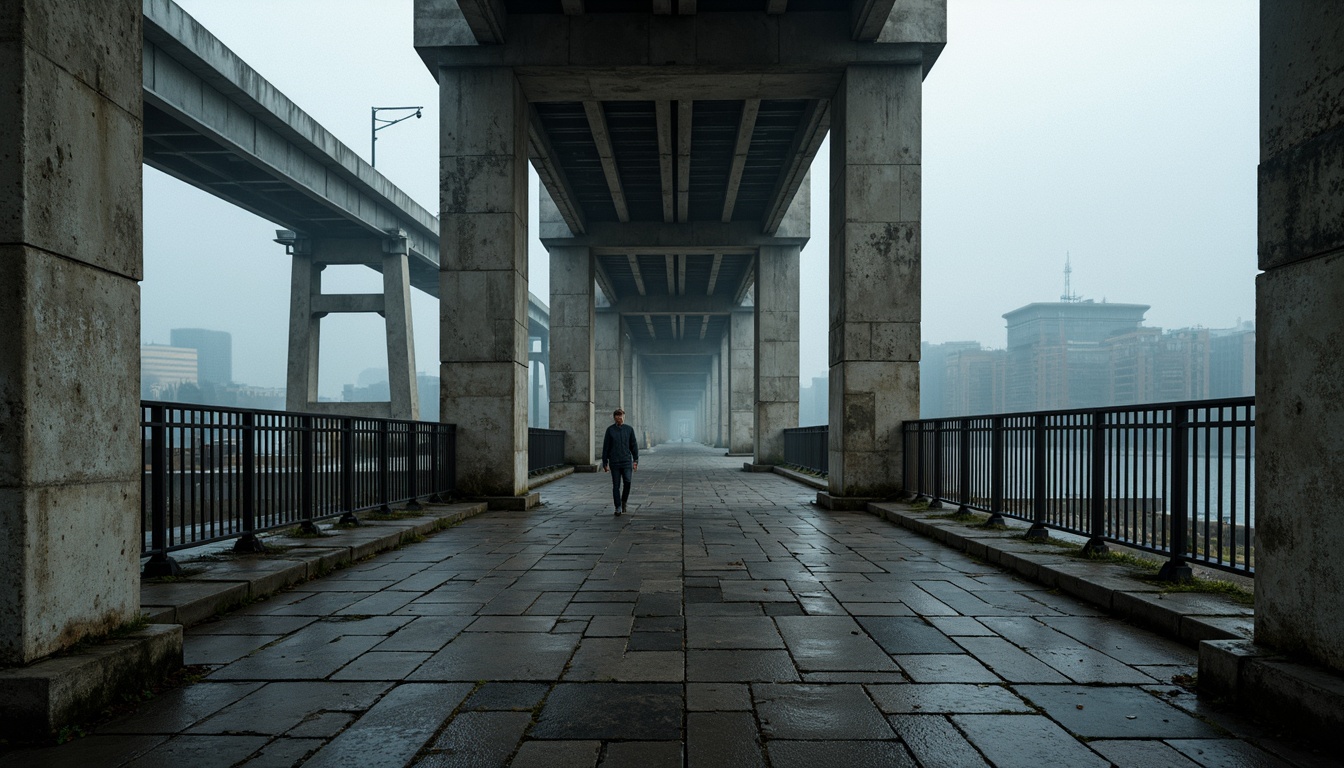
(223, 585)
(1187, 617)
(534, 483)
(799, 477)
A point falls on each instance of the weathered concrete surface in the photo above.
(571, 372)
(608, 380)
(776, 366)
(741, 382)
(38, 700)
(483, 278)
(70, 259)
(875, 276)
(1300, 319)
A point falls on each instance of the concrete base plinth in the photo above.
(1306, 700)
(519, 503)
(586, 467)
(748, 466)
(39, 699)
(843, 503)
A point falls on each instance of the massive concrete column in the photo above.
(725, 390)
(483, 277)
(712, 404)
(776, 350)
(742, 382)
(607, 377)
(571, 377)
(70, 262)
(305, 327)
(1300, 332)
(403, 388)
(875, 275)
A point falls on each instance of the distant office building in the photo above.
(1057, 353)
(814, 402)
(214, 352)
(933, 376)
(1232, 361)
(163, 367)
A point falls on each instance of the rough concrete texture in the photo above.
(483, 276)
(608, 381)
(69, 356)
(741, 383)
(570, 379)
(38, 700)
(1300, 432)
(1300, 319)
(875, 276)
(776, 366)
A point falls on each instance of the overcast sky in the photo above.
(1122, 133)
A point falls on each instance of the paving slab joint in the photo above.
(39, 699)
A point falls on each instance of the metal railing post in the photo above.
(1096, 544)
(307, 502)
(384, 470)
(964, 449)
(1038, 531)
(348, 472)
(160, 564)
(413, 467)
(1177, 569)
(919, 463)
(248, 542)
(937, 501)
(996, 462)
(435, 471)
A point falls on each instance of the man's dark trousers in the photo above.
(621, 475)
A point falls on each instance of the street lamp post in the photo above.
(377, 124)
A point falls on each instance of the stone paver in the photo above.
(726, 621)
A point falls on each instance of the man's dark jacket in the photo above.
(619, 447)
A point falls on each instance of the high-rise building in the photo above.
(214, 351)
(1057, 353)
(1232, 361)
(163, 366)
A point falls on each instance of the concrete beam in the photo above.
(634, 270)
(675, 305)
(597, 123)
(487, 19)
(811, 132)
(664, 348)
(671, 262)
(745, 127)
(327, 304)
(869, 17)
(572, 7)
(698, 238)
(554, 181)
(685, 111)
(663, 117)
(714, 274)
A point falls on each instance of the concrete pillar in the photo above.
(875, 275)
(1299, 326)
(571, 378)
(742, 383)
(607, 376)
(483, 276)
(628, 399)
(308, 305)
(725, 390)
(776, 350)
(70, 262)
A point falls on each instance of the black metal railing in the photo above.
(214, 473)
(808, 447)
(1177, 479)
(545, 449)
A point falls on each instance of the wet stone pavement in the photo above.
(725, 622)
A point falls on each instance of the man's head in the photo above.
(618, 415)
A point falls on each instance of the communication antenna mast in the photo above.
(1069, 295)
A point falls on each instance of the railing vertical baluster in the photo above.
(1038, 531)
(348, 472)
(920, 495)
(413, 466)
(307, 503)
(249, 541)
(1177, 569)
(964, 445)
(936, 502)
(160, 564)
(1096, 545)
(384, 469)
(996, 468)
(435, 471)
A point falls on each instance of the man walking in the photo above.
(620, 456)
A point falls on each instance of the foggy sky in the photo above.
(1120, 132)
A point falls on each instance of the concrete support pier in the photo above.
(776, 350)
(70, 262)
(608, 381)
(875, 275)
(742, 383)
(1300, 325)
(483, 277)
(571, 373)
